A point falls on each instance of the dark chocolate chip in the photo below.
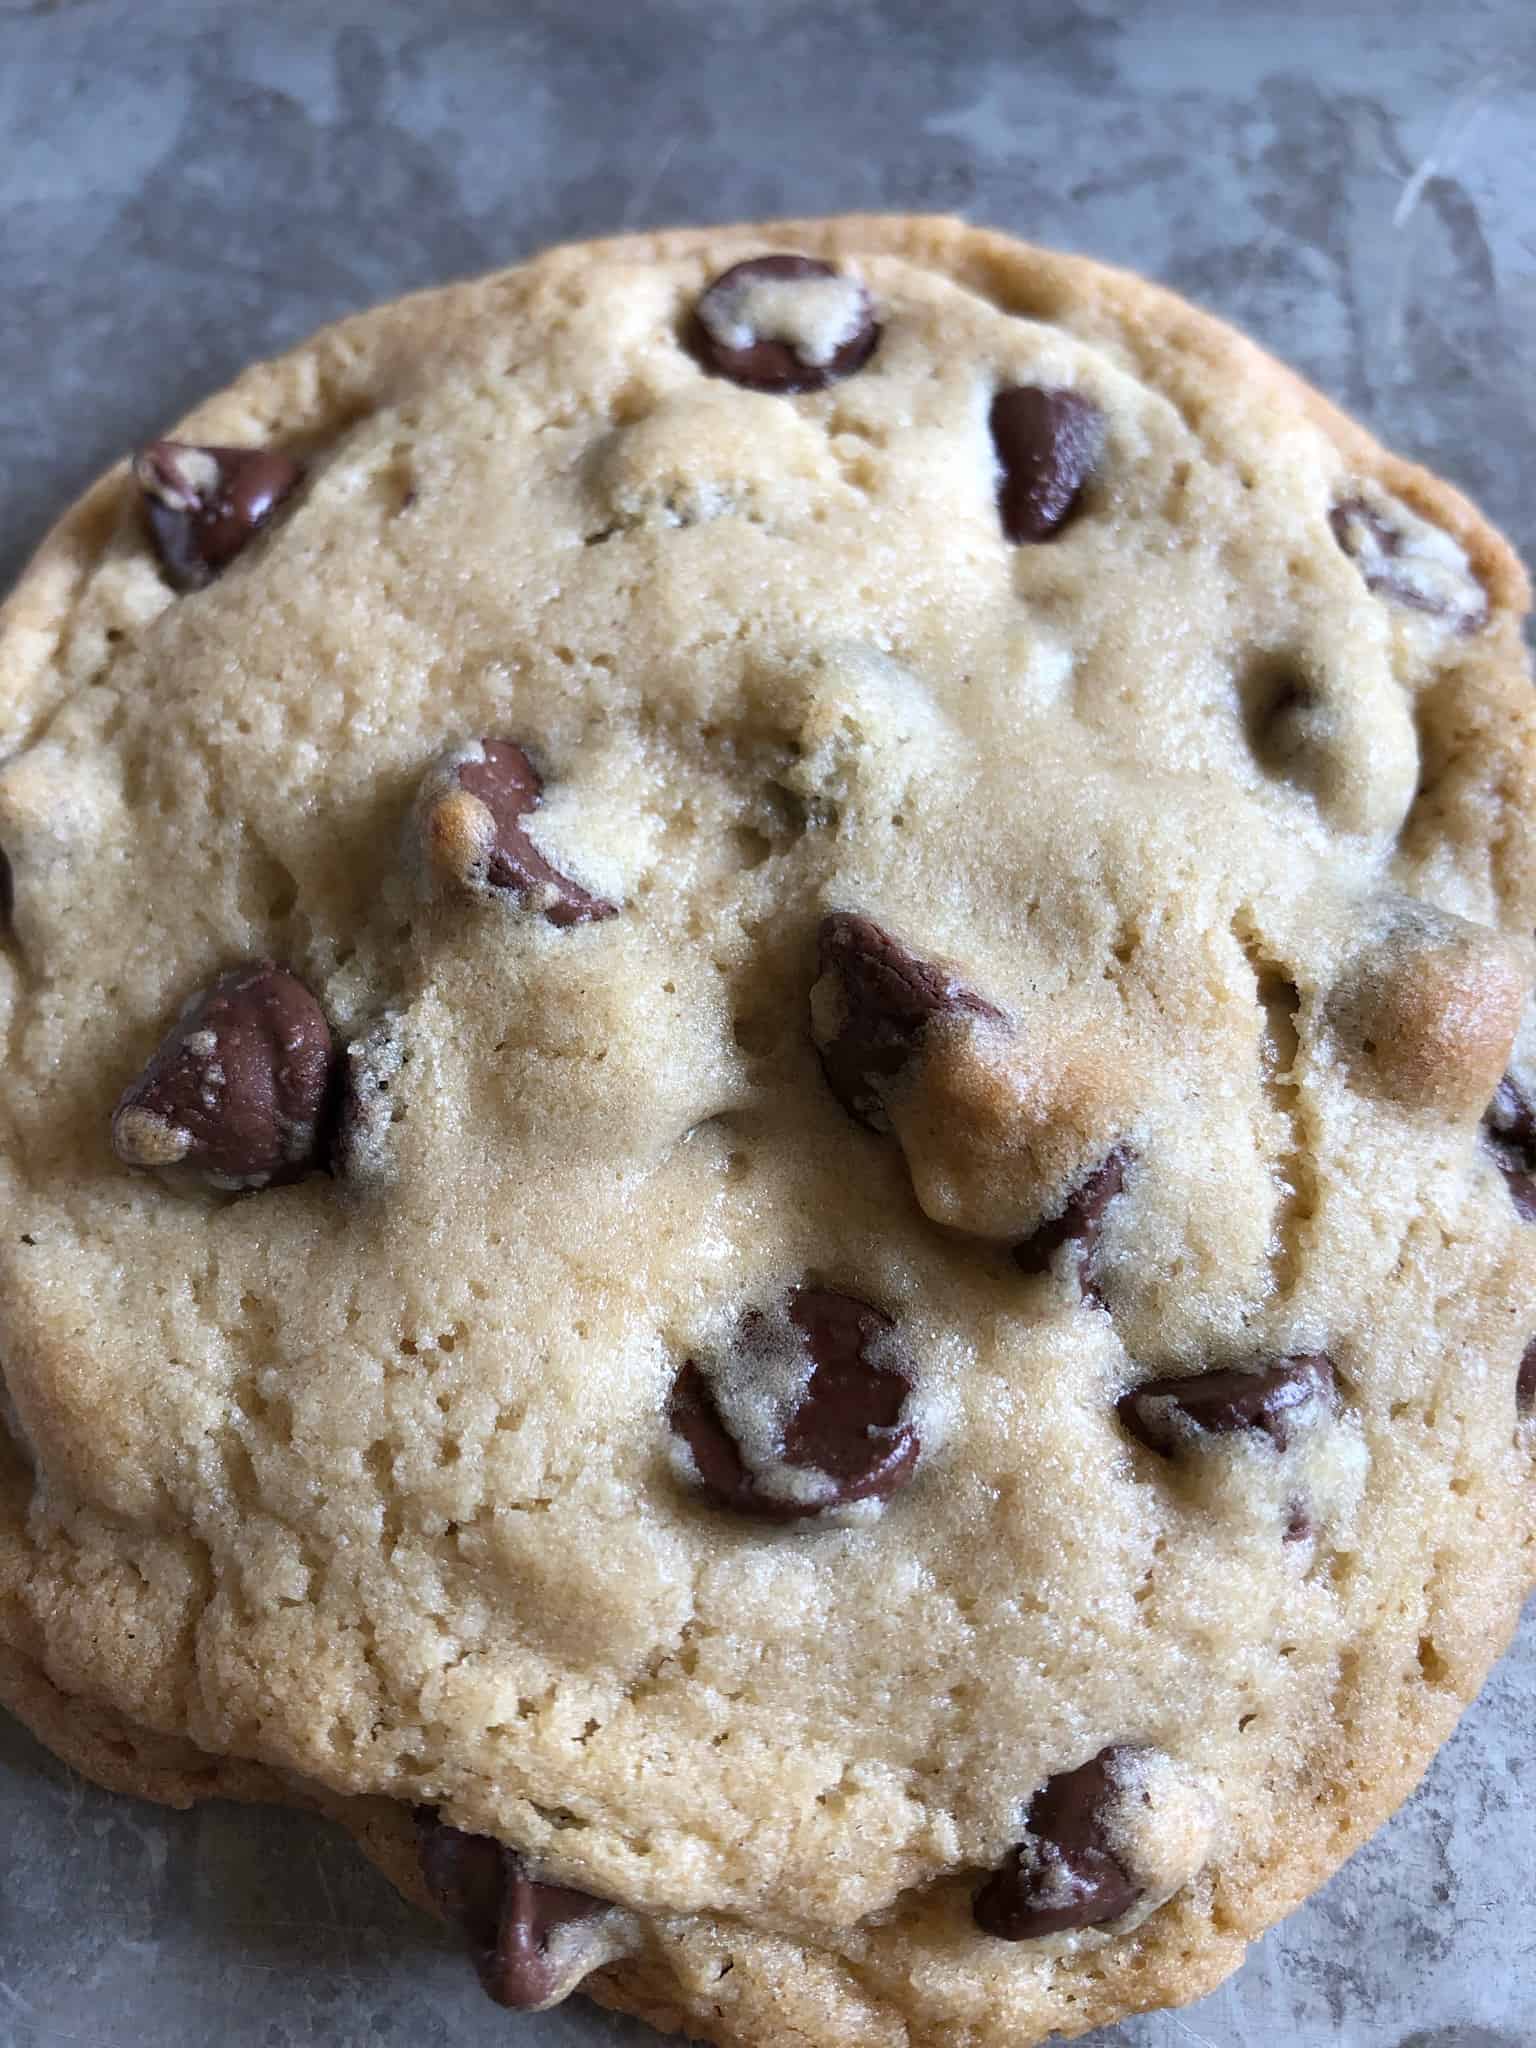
(847, 1427)
(1063, 1875)
(203, 504)
(238, 1091)
(508, 785)
(883, 1000)
(723, 339)
(1080, 1221)
(7, 889)
(1380, 551)
(505, 1914)
(1269, 1398)
(1525, 1381)
(1509, 1125)
(1047, 443)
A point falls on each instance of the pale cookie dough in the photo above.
(767, 1161)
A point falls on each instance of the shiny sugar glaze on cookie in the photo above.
(769, 1141)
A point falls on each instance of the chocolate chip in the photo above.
(1062, 1876)
(1079, 1221)
(871, 1008)
(784, 324)
(7, 889)
(1047, 443)
(1509, 1125)
(1405, 559)
(203, 504)
(1165, 1414)
(1298, 1522)
(1525, 1381)
(844, 1430)
(474, 832)
(239, 1088)
(507, 1915)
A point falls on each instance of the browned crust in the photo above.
(1186, 355)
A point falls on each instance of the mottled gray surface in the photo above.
(187, 185)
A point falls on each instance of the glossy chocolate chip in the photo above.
(1165, 1414)
(203, 504)
(1062, 1876)
(1047, 444)
(506, 1915)
(1080, 1222)
(734, 326)
(1525, 1381)
(1394, 561)
(1509, 1125)
(238, 1091)
(845, 1431)
(871, 1008)
(475, 833)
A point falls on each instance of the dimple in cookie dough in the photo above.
(768, 1156)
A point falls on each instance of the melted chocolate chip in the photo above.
(1525, 1381)
(1162, 1414)
(203, 504)
(239, 1088)
(1509, 1126)
(1063, 1876)
(883, 1000)
(725, 339)
(1081, 1222)
(845, 1430)
(506, 1915)
(1407, 574)
(1047, 443)
(506, 786)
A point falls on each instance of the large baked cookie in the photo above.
(767, 1164)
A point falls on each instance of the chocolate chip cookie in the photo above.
(769, 1126)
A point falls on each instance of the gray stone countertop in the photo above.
(188, 185)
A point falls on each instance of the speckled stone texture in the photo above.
(189, 185)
